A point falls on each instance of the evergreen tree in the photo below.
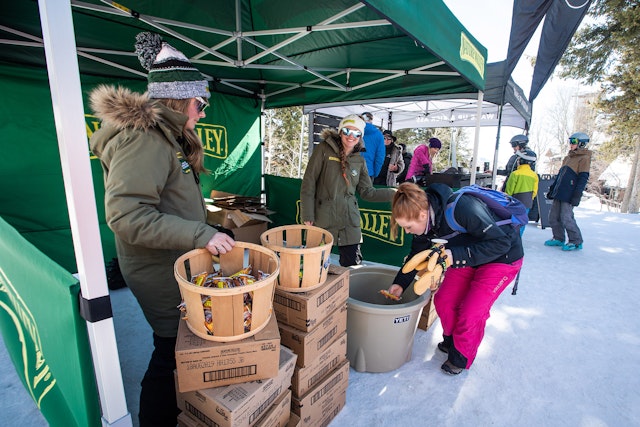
(604, 51)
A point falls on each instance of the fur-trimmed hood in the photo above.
(122, 110)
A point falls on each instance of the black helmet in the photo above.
(526, 157)
(520, 141)
(579, 138)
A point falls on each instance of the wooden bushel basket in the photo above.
(304, 253)
(227, 304)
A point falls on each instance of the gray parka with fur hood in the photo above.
(328, 200)
(153, 202)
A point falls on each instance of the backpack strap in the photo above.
(449, 216)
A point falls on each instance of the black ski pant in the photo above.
(158, 407)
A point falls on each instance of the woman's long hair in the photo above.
(191, 143)
(407, 204)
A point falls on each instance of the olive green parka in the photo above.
(153, 202)
(328, 200)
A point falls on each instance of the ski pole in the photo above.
(515, 285)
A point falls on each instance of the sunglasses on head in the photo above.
(201, 104)
(351, 132)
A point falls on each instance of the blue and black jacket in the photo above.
(484, 242)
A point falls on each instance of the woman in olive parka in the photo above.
(152, 157)
(335, 173)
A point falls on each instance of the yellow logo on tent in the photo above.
(469, 52)
(373, 224)
(35, 371)
(213, 137)
(214, 140)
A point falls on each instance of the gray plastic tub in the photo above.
(380, 331)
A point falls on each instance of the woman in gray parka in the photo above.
(335, 173)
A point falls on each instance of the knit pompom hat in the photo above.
(171, 75)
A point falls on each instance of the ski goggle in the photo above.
(573, 141)
(351, 132)
(202, 104)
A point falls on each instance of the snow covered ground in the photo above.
(564, 351)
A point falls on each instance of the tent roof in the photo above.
(299, 52)
(453, 110)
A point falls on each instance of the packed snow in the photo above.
(564, 351)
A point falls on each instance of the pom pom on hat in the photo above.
(171, 75)
(352, 120)
(435, 143)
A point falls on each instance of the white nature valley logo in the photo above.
(35, 370)
(373, 223)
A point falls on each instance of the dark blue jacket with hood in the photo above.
(483, 243)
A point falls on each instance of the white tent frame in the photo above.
(318, 77)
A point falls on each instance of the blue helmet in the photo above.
(579, 138)
(519, 141)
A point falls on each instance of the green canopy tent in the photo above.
(275, 54)
(285, 53)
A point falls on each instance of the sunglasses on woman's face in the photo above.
(201, 104)
(351, 132)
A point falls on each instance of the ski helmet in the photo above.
(526, 157)
(579, 138)
(520, 141)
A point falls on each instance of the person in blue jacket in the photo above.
(566, 192)
(375, 149)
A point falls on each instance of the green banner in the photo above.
(32, 193)
(283, 197)
(44, 334)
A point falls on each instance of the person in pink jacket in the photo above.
(423, 155)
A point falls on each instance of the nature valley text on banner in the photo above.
(214, 139)
(36, 375)
(469, 52)
(44, 334)
(374, 223)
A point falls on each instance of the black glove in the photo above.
(575, 201)
(548, 193)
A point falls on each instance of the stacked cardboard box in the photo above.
(428, 316)
(245, 216)
(241, 383)
(314, 325)
(244, 404)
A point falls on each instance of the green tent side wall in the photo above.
(44, 333)
(32, 193)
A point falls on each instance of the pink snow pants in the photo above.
(465, 298)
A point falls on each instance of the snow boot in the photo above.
(572, 247)
(554, 242)
(445, 344)
(449, 368)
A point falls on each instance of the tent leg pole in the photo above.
(66, 95)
